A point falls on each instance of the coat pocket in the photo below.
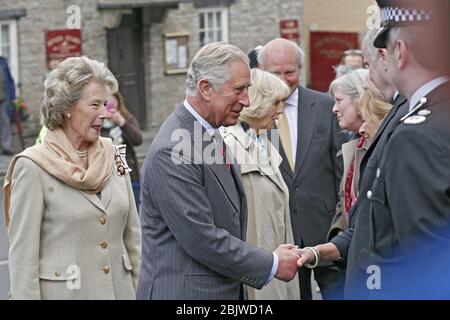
(127, 262)
(330, 204)
(58, 272)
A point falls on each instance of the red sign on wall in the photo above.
(61, 44)
(326, 50)
(289, 30)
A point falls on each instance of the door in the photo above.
(327, 49)
(126, 62)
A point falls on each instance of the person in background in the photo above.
(72, 222)
(7, 97)
(353, 57)
(123, 128)
(373, 110)
(253, 57)
(269, 221)
(343, 69)
(346, 92)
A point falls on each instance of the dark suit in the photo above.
(194, 220)
(313, 187)
(353, 245)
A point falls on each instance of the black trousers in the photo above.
(331, 281)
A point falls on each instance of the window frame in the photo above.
(206, 29)
(13, 48)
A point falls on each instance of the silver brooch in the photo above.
(415, 120)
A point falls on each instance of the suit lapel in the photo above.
(242, 200)
(219, 170)
(107, 192)
(398, 103)
(226, 181)
(307, 118)
(95, 200)
(285, 167)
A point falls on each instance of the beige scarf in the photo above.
(58, 158)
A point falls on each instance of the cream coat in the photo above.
(68, 244)
(269, 222)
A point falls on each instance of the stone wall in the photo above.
(251, 22)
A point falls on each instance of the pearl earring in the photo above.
(69, 116)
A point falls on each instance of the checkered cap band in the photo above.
(389, 14)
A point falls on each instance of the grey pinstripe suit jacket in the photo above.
(194, 221)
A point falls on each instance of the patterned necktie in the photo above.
(224, 156)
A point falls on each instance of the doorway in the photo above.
(126, 62)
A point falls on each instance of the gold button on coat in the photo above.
(106, 269)
(57, 274)
(103, 220)
(104, 244)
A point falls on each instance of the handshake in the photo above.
(291, 257)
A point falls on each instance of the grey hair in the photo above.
(343, 69)
(262, 55)
(369, 38)
(211, 63)
(64, 86)
(352, 83)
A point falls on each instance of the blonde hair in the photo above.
(266, 89)
(372, 105)
(64, 87)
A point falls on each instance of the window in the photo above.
(8, 46)
(213, 25)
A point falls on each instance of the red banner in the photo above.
(326, 50)
(289, 30)
(61, 44)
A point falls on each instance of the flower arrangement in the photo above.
(20, 109)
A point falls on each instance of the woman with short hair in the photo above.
(72, 222)
(346, 92)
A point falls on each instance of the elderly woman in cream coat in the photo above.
(269, 223)
(72, 222)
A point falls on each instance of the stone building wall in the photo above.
(251, 22)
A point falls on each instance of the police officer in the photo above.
(400, 230)
(409, 216)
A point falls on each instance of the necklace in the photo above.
(82, 154)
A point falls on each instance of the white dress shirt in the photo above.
(291, 112)
(426, 89)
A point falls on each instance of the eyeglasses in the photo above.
(353, 52)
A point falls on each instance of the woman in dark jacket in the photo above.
(123, 128)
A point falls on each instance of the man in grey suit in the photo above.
(311, 168)
(194, 211)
